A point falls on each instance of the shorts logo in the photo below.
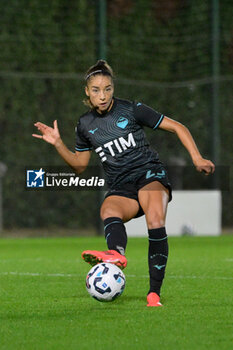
(160, 175)
(149, 174)
(122, 122)
(35, 178)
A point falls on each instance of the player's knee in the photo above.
(155, 220)
(108, 212)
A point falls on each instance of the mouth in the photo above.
(104, 104)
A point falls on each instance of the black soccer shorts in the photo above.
(148, 174)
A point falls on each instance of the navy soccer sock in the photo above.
(157, 257)
(115, 234)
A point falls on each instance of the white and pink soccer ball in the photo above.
(105, 282)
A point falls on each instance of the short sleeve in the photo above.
(82, 143)
(147, 116)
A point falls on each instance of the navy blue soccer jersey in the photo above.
(119, 139)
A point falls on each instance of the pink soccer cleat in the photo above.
(153, 299)
(94, 257)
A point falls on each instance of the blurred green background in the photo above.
(162, 54)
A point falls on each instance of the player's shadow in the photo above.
(127, 298)
(136, 298)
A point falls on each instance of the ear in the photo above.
(87, 91)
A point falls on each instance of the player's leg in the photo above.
(120, 206)
(154, 199)
(114, 212)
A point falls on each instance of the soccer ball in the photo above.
(105, 282)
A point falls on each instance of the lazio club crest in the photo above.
(122, 122)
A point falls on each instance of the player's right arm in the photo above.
(78, 160)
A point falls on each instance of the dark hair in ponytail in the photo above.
(101, 67)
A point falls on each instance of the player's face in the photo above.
(100, 90)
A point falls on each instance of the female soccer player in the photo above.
(137, 180)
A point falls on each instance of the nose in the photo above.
(102, 95)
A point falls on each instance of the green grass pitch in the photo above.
(44, 304)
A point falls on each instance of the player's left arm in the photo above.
(187, 140)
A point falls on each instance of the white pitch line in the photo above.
(202, 277)
(36, 259)
(187, 277)
(15, 273)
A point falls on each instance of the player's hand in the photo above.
(204, 165)
(48, 134)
